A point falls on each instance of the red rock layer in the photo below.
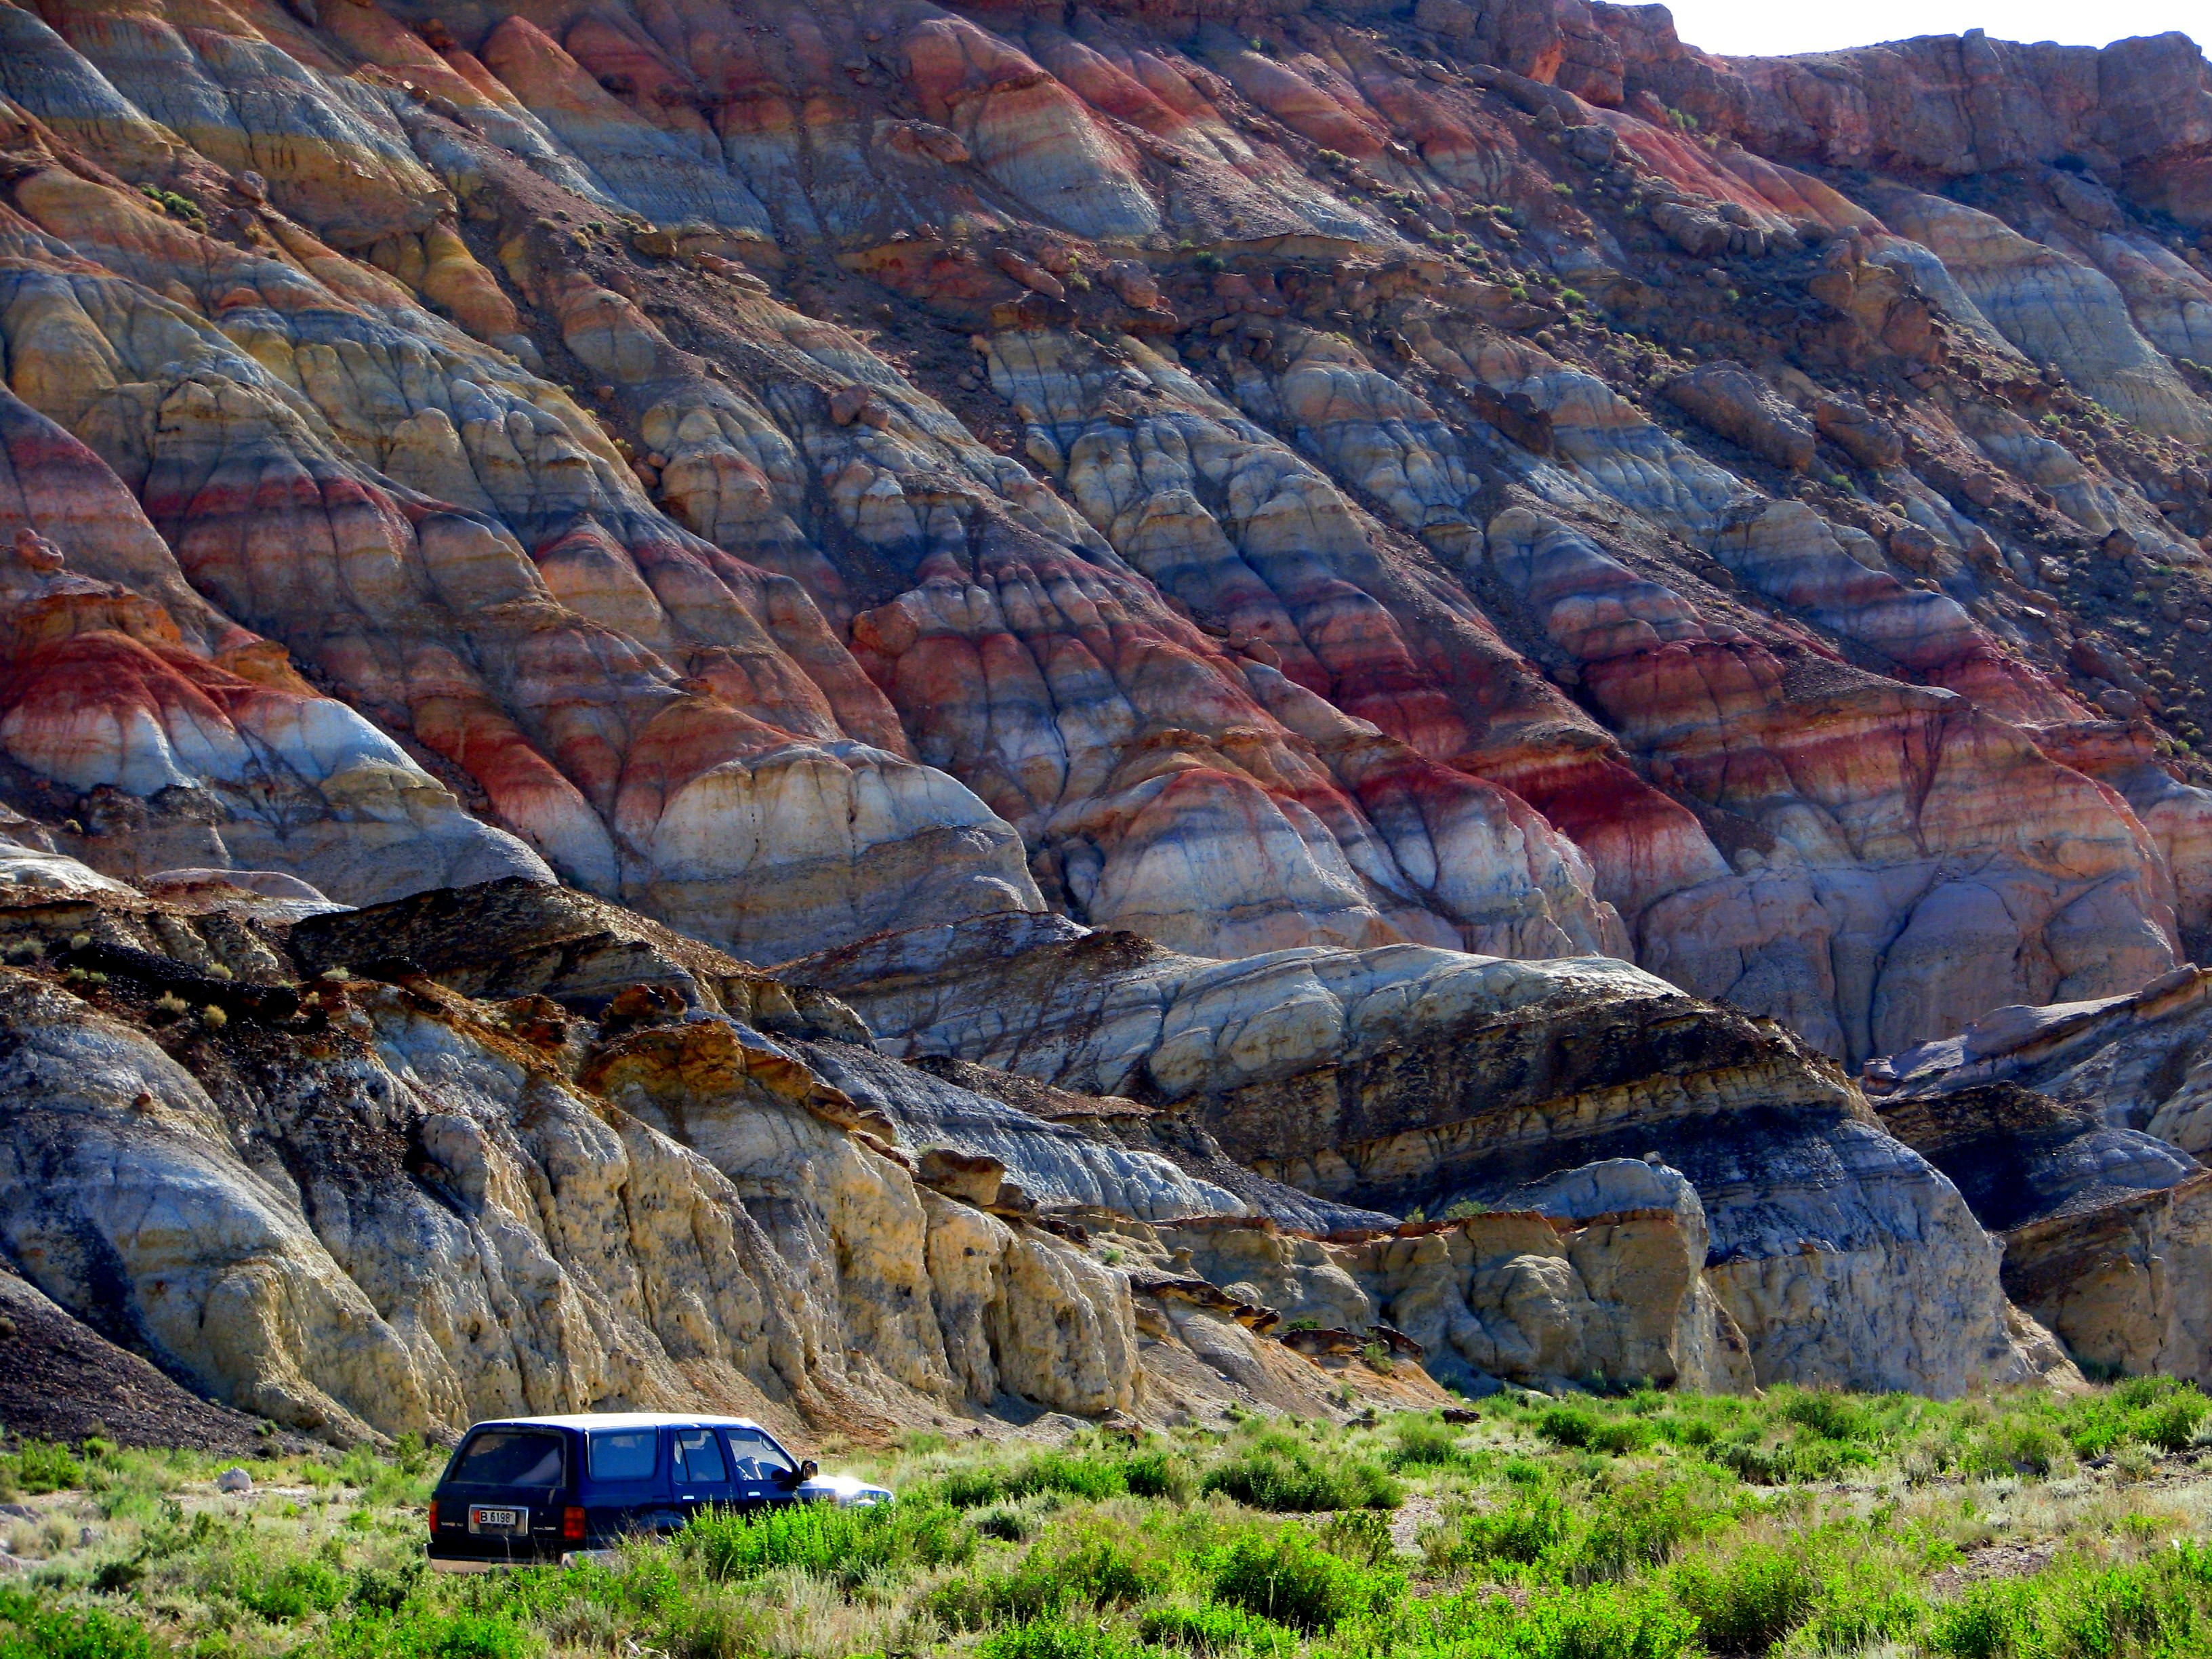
(1494, 479)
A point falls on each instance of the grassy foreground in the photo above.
(1647, 1527)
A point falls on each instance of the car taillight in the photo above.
(434, 1517)
(572, 1524)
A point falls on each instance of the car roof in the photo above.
(619, 1420)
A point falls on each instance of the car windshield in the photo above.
(623, 1453)
(510, 1457)
(758, 1457)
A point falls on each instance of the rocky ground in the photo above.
(901, 715)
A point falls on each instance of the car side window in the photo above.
(624, 1454)
(758, 1457)
(699, 1456)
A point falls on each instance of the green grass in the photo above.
(1801, 1524)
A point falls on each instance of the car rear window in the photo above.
(623, 1453)
(511, 1457)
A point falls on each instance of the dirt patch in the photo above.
(1414, 1516)
(61, 1380)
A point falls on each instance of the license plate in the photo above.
(484, 1519)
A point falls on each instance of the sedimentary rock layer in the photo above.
(1491, 478)
(1407, 1075)
(2074, 1131)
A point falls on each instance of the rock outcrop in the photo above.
(351, 1205)
(1408, 1076)
(2073, 1130)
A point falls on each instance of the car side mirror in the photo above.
(807, 1471)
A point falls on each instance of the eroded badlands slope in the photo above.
(1231, 568)
(1490, 479)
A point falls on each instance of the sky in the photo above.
(1746, 26)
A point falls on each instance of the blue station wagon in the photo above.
(532, 1489)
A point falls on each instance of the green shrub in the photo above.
(1359, 1536)
(1278, 1471)
(1159, 1474)
(1215, 1629)
(1078, 1477)
(1579, 1426)
(1063, 1571)
(421, 1632)
(42, 1466)
(2156, 1606)
(1861, 1607)
(293, 1591)
(1611, 1621)
(29, 1631)
(1523, 1531)
(1056, 1639)
(1749, 1601)
(968, 1489)
(824, 1539)
(2156, 1410)
(1426, 1443)
(1006, 1523)
(1641, 1524)
(1290, 1579)
(1831, 1416)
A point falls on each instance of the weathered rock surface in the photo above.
(2073, 1130)
(798, 474)
(357, 1204)
(1408, 1076)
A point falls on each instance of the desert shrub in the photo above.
(1066, 1571)
(1831, 1416)
(1581, 1427)
(824, 1539)
(1278, 1471)
(1425, 1442)
(1641, 1524)
(2019, 1443)
(2154, 1410)
(42, 1466)
(1213, 1629)
(1290, 1579)
(417, 1631)
(1006, 1523)
(1610, 1621)
(1862, 1606)
(967, 1489)
(1076, 1476)
(1523, 1531)
(296, 1590)
(1359, 1536)
(2156, 1606)
(1747, 1601)
(30, 1631)
(1055, 1638)
(1159, 1474)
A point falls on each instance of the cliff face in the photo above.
(1235, 570)
(1491, 478)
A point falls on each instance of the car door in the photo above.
(763, 1472)
(701, 1470)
